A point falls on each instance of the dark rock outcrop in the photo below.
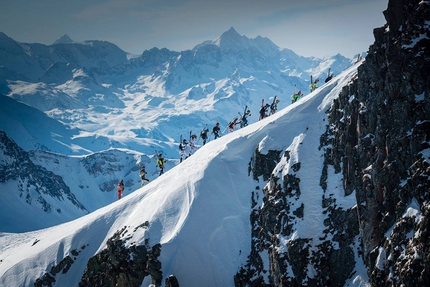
(119, 265)
(378, 139)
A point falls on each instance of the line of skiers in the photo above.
(265, 111)
(313, 86)
(187, 148)
(159, 164)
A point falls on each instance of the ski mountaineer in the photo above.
(263, 111)
(295, 97)
(244, 119)
(193, 147)
(182, 147)
(314, 85)
(274, 106)
(120, 188)
(329, 76)
(216, 130)
(143, 175)
(204, 135)
(232, 124)
(160, 163)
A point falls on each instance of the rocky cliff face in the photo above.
(378, 140)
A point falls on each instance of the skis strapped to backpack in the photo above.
(231, 122)
(272, 106)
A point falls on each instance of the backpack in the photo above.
(142, 173)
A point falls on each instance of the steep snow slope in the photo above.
(199, 210)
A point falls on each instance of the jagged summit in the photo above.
(232, 40)
(65, 39)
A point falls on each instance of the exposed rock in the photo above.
(171, 281)
(120, 266)
(378, 138)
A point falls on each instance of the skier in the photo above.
(143, 175)
(314, 85)
(160, 163)
(329, 76)
(216, 130)
(120, 188)
(232, 124)
(295, 97)
(263, 111)
(204, 135)
(274, 106)
(244, 119)
(182, 147)
(193, 147)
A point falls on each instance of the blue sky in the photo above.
(308, 27)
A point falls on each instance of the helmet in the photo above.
(277, 101)
(217, 123)
(300, 92)
(248, 111)
(184, 141)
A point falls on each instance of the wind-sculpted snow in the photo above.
(198, 210)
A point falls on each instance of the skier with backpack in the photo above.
(295, 97)
(193, 141)
(263, 111)
(143, 175)
(232, 124)
(244, 118)
(274, 106)
(314, 85)
(120, 188)
(160, 163)
(182, 148)
(216, 129)
(204, 135)
(329, 76)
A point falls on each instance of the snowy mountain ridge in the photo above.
(171, 210)
(329, 191)
(92, 99)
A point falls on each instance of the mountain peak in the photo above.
(65, 39)
(231, 39)
(232, 32)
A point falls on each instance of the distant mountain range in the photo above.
(91, 99)
(332, 190)
(108, 98)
